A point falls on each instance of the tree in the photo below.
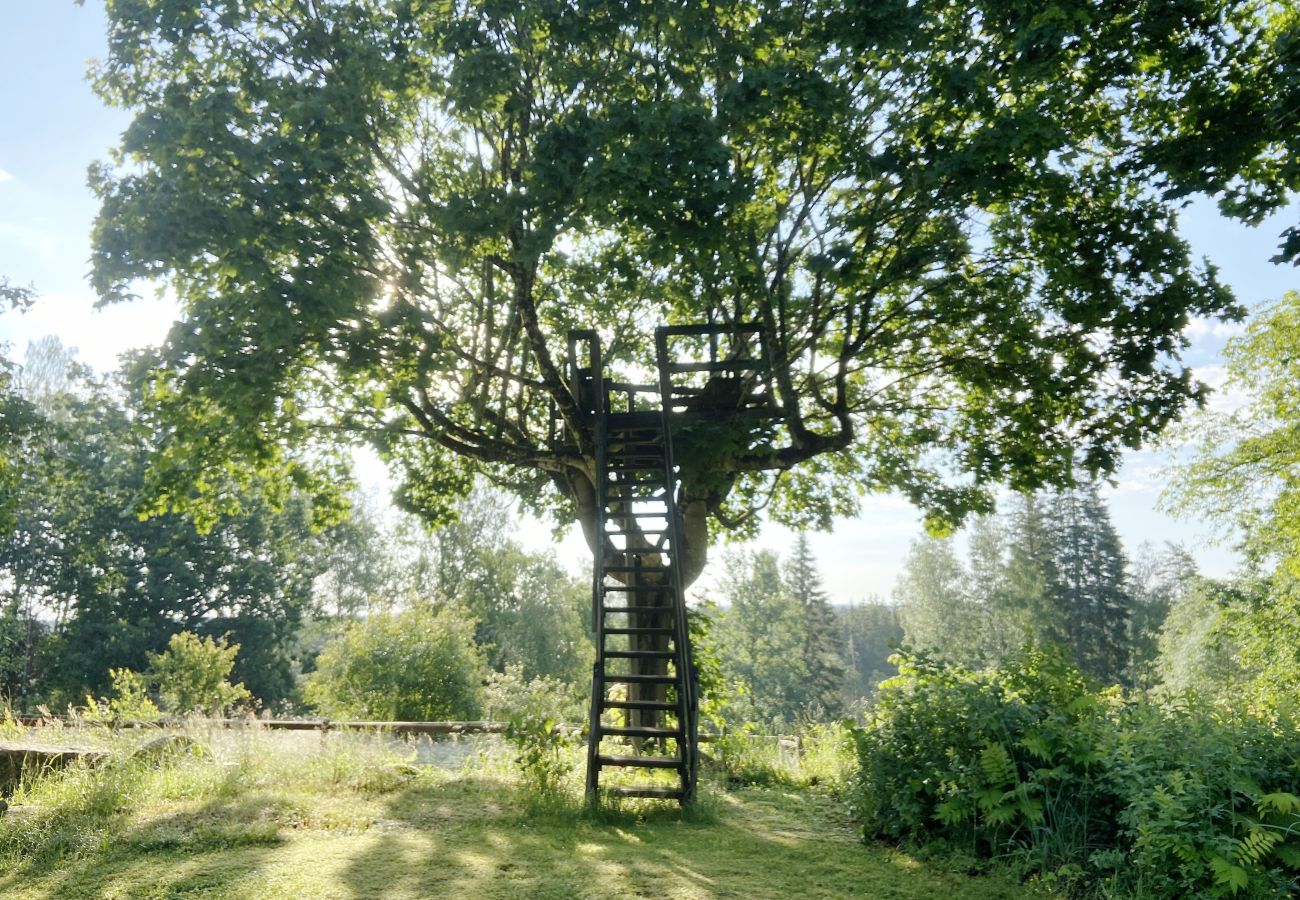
(1088, 583)
(361, 563)
(1247, 468)
(114, 587)
(822, 636)
(872, 632)
(1061, 581)
(1195, 652)
(420, 664)
(18, 419)
(1158, 581)
(193, 675)
(1246, 474)
(934, 603)
(956, 221)
(761, 636)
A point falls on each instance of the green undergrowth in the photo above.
(252, 814)
(1033, 770)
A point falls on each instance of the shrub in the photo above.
(131, 699)
(1032, 765)
(192, 675)
(417, 665)
(1209, 803)
(531, 710)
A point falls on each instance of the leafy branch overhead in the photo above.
(957, 222)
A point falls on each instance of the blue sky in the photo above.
(54, 127)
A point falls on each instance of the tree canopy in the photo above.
(1247, 469)
(956, 221)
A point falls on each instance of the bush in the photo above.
(415, 665)
(532, 711)
(192, 675)
(746, 757)
(1032, 765)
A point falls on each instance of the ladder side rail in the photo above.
(686, 699)
(601, 438)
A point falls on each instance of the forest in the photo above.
(936, 252)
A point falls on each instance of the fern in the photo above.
(997, 765)
(1256, 846)
(1228, 876)
(1279, 802)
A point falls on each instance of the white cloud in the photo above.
(5, 176)
(1200, 327)
(1225, 397)
(1141, 480)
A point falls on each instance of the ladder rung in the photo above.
(665, 631)
(639, 704)
(640, 654)
(652, 793)
(638, 568)
(641, 610)
(641, 679)
(636, 589)
(613, 531)
(642, 762)
(663, 514)
(640, 731)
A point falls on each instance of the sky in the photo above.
(52, 127)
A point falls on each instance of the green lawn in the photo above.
(256, 818)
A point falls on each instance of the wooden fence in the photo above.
(415, 728)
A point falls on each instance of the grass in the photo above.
(260, 815)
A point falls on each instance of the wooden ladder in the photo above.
(644, 697)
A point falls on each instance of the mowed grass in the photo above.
(258, 815)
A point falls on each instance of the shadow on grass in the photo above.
(756, 843)
(471, 836)
(88, 846)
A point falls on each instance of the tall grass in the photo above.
(231, 787)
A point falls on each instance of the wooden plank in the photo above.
(15, 759)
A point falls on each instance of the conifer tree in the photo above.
(872, 630)
(1087, 583)
(823, 638)
(1031, 567)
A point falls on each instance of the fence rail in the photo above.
(416, 728)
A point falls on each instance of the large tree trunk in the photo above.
(692, 529)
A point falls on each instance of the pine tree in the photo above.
(1003, 627)
(1087, 583)
(823, 638)
(1031, 568)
